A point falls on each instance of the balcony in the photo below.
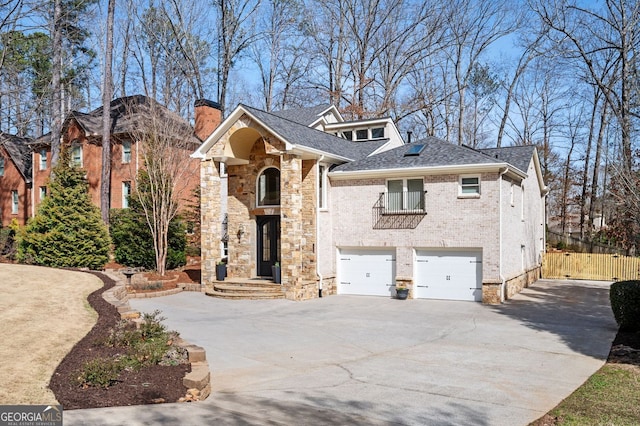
(399, 210)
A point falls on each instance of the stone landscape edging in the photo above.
(198, 380)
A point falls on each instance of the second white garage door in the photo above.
(369, 272)
(454, 275)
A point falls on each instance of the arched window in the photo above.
(269, 187)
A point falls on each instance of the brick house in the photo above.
(82, 133)
(15, 179)
(349, 208)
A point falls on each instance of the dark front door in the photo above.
(268, 243)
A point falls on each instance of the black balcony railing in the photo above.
(401, 210)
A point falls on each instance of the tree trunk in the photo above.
(107, 93)
(56, 78)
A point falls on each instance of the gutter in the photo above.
(318, 273)
(503, 281)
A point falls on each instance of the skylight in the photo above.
(414, 150)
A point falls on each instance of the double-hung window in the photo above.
(126, 193)
(43, 159)
(469, 186)
(126, 151)
(14, 202)
(405, 195)
(1, 166)
(76, 155)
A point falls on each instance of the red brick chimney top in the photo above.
(208, 118)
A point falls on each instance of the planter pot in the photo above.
(402, 294)
(221, 272)
(275, 271)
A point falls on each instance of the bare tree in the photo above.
(584, 34)
(107, 94)
(237, 33)
(164, 143)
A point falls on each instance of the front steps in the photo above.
(246, 289)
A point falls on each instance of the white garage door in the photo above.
(454, 275)
(366, 272)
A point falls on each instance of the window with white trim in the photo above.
(43, 192)
(268, 190)
(76, 155)
(405, 195)
(469, 186)
(43, 159)
(377, 133)
(126, 151)
(362, 134)
(126, 193)
(14, 202)
(1, 166)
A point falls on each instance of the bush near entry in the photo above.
(625, 303)
(133, 242)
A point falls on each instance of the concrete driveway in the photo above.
(373, 360)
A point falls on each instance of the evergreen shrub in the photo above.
(625, 303)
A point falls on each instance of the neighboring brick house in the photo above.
(349, 208)
(15, 179)
(82, 133)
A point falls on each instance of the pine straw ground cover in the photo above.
(151, 384)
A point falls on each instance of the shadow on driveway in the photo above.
(242, 409)
(564, 308)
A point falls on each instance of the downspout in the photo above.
(318, 273)
(503, 281)
(32, 213)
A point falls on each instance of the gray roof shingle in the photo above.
(306, 116)
(127, 114)
(518, 156)
(436, 153)
(318, 140)
(19, 151)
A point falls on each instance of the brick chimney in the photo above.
(208, 117)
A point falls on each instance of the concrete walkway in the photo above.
(373, 360)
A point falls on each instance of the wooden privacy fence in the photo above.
(590, 266)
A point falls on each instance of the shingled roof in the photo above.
(303, 136)
(305, 116)
(127, 115)
(436, 153)
(19, 151)
(518, 156)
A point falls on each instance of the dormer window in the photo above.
(377, 133)
(362, 134)
(347, 134)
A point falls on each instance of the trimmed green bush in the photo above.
(133, 243)
(67, 230)
(625, 303)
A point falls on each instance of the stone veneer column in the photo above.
(291, 239)
(211, 226)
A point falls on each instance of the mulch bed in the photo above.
(147, 386)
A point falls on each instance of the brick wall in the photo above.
(12, 180)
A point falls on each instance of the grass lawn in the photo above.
(610, 397)
(44, 312)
